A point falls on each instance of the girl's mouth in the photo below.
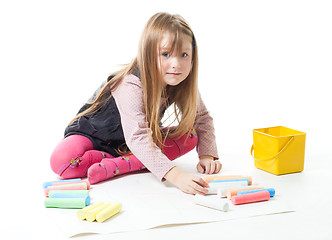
(175, 74)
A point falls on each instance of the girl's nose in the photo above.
(175, 63)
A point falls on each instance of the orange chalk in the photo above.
(72, 182)
(233, 192)
(251, 197)
(210, 178)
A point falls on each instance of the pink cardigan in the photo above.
(129, 100)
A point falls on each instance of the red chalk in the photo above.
(251, 197)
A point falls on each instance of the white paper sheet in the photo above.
(148, 203)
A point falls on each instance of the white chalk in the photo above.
(224, 186)
(213, 202)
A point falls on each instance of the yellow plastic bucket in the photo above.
(278, 150)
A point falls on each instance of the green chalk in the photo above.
(78, 192)
(67, 202)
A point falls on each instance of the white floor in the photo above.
(23, 214)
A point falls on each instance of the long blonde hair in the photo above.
(184, 95)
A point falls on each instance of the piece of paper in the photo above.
(148, 203)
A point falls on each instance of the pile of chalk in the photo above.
(73, 194)
(99, 211)
(236, 188)
(70, 193)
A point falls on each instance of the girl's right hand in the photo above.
(188, 183)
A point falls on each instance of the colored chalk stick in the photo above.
(91, 214)
(74, 186)
(81, 214)
(233, 192)
(232, 180)
(72, 182)
(220, 188)
(67, 202)
(108, 212)
(210, 178)
(213, 202)
(68, 185)
(46, 184)
(251, 197)
(66, 195)
(270, 190)
(71, 192)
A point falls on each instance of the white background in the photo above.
(262, 64)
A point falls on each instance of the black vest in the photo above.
(103, 127)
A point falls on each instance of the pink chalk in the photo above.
(75, 186)
(251, 197)
(65, 183)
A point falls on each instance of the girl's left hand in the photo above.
(208, 166)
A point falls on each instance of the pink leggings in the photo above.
(75, 157)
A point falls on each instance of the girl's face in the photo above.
(174, 67)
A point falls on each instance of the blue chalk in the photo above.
(66, 195)
(271, 191)
(87, 200)
(46, 184)
(232, 180)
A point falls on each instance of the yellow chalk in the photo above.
(91, 215)
(81, 214)
(109, 212)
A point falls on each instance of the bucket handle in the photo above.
(276, 155)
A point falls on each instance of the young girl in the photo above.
(119, 130)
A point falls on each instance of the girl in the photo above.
(119, 130)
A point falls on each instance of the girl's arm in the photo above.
(129, 100)
(206, 146)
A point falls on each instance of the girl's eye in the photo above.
(184, 55)
(165, 54)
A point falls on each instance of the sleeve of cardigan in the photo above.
(206, 144)
(129, 100)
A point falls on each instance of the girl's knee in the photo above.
(174, 148)
(188, 141)
(66, 156)
(191, 140)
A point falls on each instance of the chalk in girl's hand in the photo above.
(271, 191)
(212, 202)
(72, 182)
(251, 197)
(81, 214)
(67, 202)
(74, 186)
(109, 212)
(233, 192)
(210, 178)
(91, 214)
(224, 186)
(46, 184)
